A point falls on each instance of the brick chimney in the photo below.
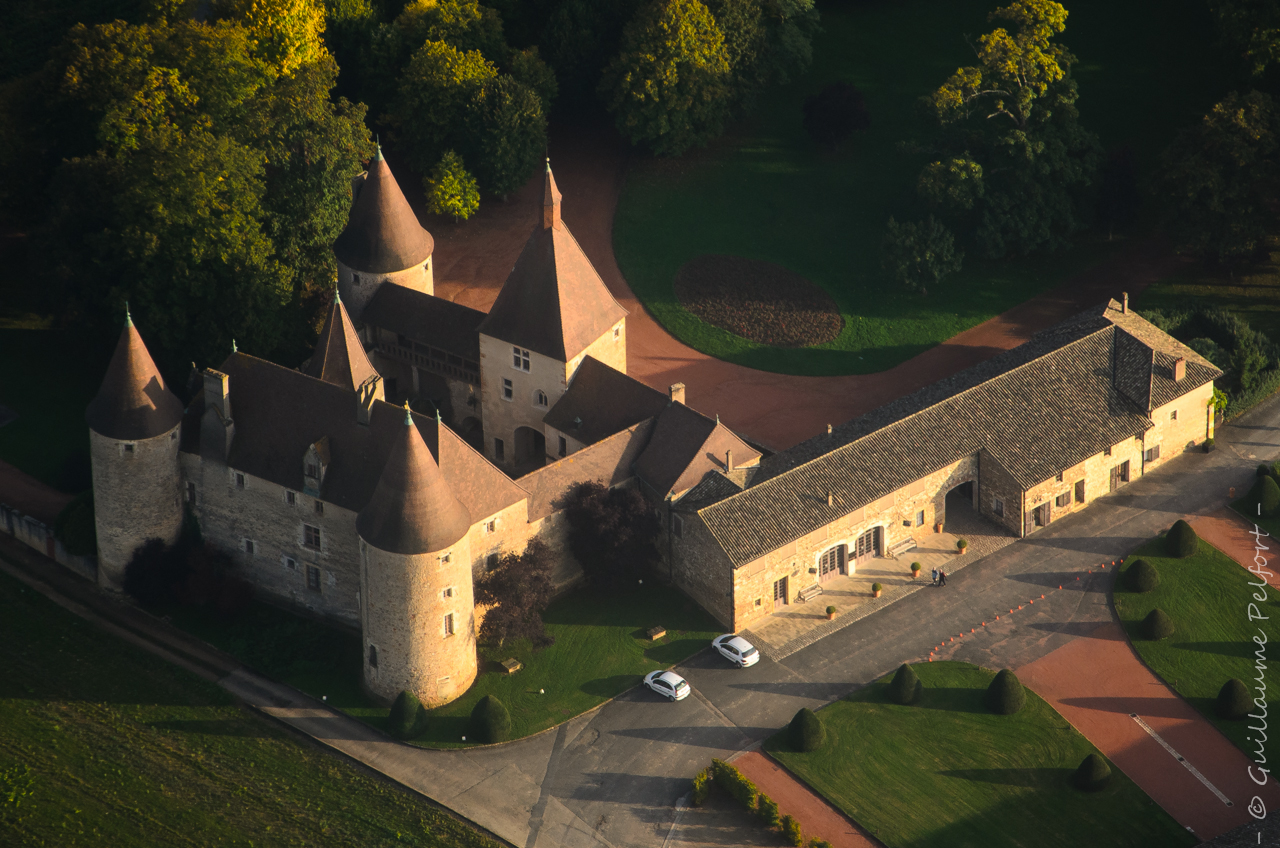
(1124, 303)
(829, 429)
(1179, 369)
(677, 392)
(728, 460)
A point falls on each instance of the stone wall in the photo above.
(1188, 430)
(500, 416)
(610, 348)
(1094, 472)
(137, 496)
(702, 570)
(357, 287)
(998, 483)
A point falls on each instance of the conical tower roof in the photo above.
(553, 301)
(413, 510)
(133, 402)
(382, 235)
(340, 358)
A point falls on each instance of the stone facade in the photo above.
(1180, 425)
(357, 287)
(137, 497)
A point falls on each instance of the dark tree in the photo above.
(150, 574)
(612, 533)
(516, 591)
(1118, 197)
(835, 113)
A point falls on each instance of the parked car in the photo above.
(736, 650)
(667, 684)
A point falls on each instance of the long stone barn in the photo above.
(1026, 437)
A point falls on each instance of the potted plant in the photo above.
(876, 589)
(961, 546)
(915, 570)
(831, 613)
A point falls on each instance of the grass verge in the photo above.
(948, 773)
(119, 748)
(1207, 596)
(600, 651)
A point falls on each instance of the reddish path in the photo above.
(1229, 533)
(1096, 681)
(776, 410)
(816, 816)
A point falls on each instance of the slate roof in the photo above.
(279, 413)
(427, 319)
(412, 510)
(601, 401)
(133, 401)
(553, 301)
(382, 233)
(685, 447)
(339, 357)
(608, 460)
(1037, 409)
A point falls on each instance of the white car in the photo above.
(667, 684)
(736, 650)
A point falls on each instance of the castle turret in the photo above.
(133, 446)
(416, 601)
(383, 241)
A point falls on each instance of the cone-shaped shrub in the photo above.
(905, 688)
(1182, 540)
(806, 731)
(403, 720)
(1233, 699)
(1005, 695)
(1157, 625)
(1093, 773)
(1264, 470)
(1266, 493)
(490, 721)
(1141, 576)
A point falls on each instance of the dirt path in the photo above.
(1097, 681)
(776, 410)
(816, 816)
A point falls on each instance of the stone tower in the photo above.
(417, 609)
(133, 446)
(383, 241)
(552, 312)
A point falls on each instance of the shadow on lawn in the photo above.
(607, 687)
(215, 727)
(1034, 778)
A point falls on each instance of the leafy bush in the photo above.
(451, 190)
(1265, 494)
(701, 787)
(612, 534)
(831, 610)
(1233, 700)
(815, 842)
(1092, 774)
(1157, 625)
(791, 831)
(515, 592)
(75, 526)
(735, 783)
(876, 587)
(1182, 540)
(835, 113)
(767, 810)
(905, 688)
(1005, 695)
(919, 255)
(915, 567)
(806, 732)
(406, 716)
(1141, 576)
(490, 721)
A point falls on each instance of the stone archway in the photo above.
(531, 450)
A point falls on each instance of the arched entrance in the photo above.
(869, 544)
(834, 561)
(531, 449)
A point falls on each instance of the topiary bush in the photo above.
(905, 687)
(1005, 695)
(1233, 700)
(490, 721)
(1182, 541)
(1157, 625)
(1265, 493)
(1092, 774)
(406, 713)
(806, 732)
(1141, 576)
(876, 587)
(791, 831)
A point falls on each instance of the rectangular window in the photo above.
(373, 656)
(239, 481)
(617, 332)
(1059, 476)
(520, 359)
(291, 563)
(448, 624)
(1124, 471)
(677, 526)
(128, 450)
(920, 518)
(1079, 491)
(1152, 454)
(1173, 416)
(319, 507)
(997, 506)
(564, 446)
(311, 536)
(444, 560)
(313, 578)
(249, 547)
(191, 493)
(291, 498)
(1063, 499)
(499, 450)
(1107, 452)
(491, 526)
(508, 389)
(780, 591)
(313, 470)
(448, 593)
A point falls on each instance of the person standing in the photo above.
(935, 577)
(942, 578)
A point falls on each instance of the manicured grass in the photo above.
(1252, 292)
(948, 773)
(765, 191)
(119, 748)
(1208, 597)
(600, 651)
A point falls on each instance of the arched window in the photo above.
(540, 398)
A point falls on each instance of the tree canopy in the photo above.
(1251, 28)
(612, 534)
(515, 592)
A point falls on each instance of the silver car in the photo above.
(667, 684)
(736, 650)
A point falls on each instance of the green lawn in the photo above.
(946, 773)
(122, 749)
(1207, 596)
(600, 651)
(766, 192)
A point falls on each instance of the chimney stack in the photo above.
(728, 460)
(677, 392)
(830, 497)
(217, 390)
(1179, 369)
(1124, 307)
(829, 429)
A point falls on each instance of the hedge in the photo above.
(906, 687)
(490, 721)
(791, 831)
(742, 790)
(1005, 695)
(1182, 541)
(1141, 576)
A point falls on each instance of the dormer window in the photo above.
(315, 462)
(313, 470)
(520, 359)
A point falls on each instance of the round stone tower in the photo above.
(417, 611)
(382, 243)
(133, 447)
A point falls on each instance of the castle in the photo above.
(333, 497)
